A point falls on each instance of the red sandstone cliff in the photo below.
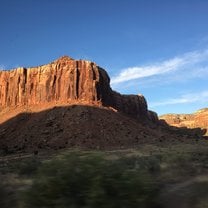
(67, 80)
(198, 119)
(66, 104)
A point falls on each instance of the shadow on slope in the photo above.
(71, 126)
(80, 126)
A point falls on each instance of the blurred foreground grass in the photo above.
(149, 177)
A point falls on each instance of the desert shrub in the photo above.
(91, 181)
(198, 193)
(180, 165)
(7, 196)
(28, 166)
(3, 195)
(145, 163)
(150, 163)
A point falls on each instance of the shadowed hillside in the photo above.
(82, 126)
(73, 126)
(69, 103)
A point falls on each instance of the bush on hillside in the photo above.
(91, 181)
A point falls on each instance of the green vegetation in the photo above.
(152, 176)
(77, 180)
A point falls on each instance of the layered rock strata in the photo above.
(67, 80)
(198, 119)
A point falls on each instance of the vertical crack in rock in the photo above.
(77, 81)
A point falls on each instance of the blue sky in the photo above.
(158, 48)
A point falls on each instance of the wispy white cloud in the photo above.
(164, 67)
(201, 97)
(198, 72)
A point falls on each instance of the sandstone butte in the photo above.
(69, 103)
(66, 81)
(199, 119)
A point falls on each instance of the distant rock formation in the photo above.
(198, 119)
(67, 80)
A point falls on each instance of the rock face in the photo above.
(198, 119)
(66, 104)
(64, 81)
